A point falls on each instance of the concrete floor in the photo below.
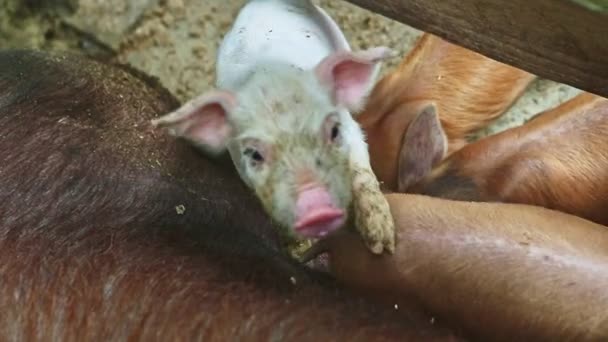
(176, 40)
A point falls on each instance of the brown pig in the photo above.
(559, 160)
(468, 89)
(503, 271)
(110, 231)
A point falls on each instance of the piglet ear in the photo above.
(202, 121)
(350, 76)
(424, 146)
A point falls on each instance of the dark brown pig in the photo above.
(112, 232)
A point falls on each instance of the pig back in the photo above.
(82, 132)
(293, 32)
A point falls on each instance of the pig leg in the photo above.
(373, 218)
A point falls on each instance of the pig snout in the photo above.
(316, 212)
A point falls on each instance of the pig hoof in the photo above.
(375, 223)
(372, 213)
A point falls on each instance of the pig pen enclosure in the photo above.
(176, 40)
(563, 42)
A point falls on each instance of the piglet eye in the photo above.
(335, 131)
(331, 129)
(257, 156)
(254, 155)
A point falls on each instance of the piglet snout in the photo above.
(316, 213)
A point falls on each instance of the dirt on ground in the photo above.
(176, 40)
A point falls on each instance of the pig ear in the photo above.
(424, 146)
(350, 76)
(202, 121)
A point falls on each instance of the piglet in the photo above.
(558, 160)
(288, 84)
(469, 91)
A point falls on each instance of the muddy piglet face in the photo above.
(302, 178)
(290, 134)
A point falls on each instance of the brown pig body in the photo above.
(503, 271)
(111, 231)
(468, 90)
(559, 160)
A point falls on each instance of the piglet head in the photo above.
(301, 178)
(301, 167)
(203, 121)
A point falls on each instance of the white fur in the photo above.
(295, 32)
(269, 40)
(275, 45)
